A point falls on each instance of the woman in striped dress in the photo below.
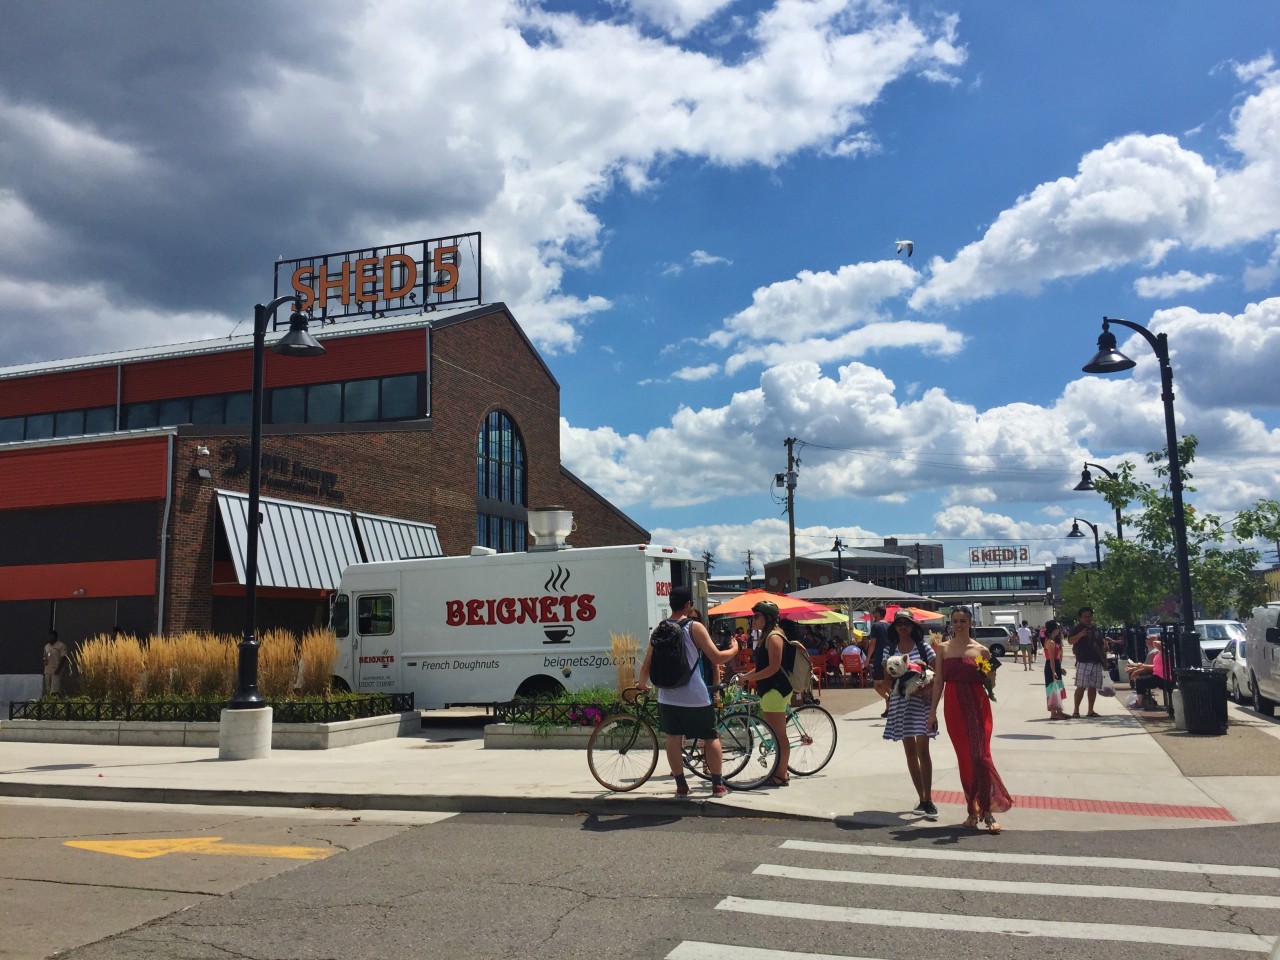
(908, 721)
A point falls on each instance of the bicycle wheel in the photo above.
(622, 752)
(694, 753)
(735, 744)
(812, 735)
(754, 749)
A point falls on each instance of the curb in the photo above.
(596, 806)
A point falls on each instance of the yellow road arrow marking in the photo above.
(213, 846)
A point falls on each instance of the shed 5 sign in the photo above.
(392, 279)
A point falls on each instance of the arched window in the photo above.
(501, 486)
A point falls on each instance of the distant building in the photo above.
(922, 555)
(817, 569)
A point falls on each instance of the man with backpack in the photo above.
(676, 647)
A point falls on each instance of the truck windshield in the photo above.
(340, 615)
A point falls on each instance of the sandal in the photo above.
(778, 782)
(991, 824)
(971, 823)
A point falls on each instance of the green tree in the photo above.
(1143, 569)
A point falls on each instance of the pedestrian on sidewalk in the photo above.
(686, 710)
(1087, 644)
(772, 683)
(968, 710)
(909, 715)
(1024, 645)
(1055, 690)
(880, 640)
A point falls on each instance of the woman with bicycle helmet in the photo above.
(771, 683)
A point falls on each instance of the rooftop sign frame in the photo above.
(369, 282)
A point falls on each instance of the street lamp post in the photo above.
(1078, 534)
(1086, 483)
(1110, 360)
(244, 731)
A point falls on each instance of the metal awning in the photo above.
(387, 538)
(299, 545)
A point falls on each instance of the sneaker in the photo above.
(682, 787)
(920, 809)
(929, 810)
(719, 790)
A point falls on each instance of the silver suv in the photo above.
(999, 640)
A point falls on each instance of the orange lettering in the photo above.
(388, 275)
(308, 295)
(327, 283)
(364, 278)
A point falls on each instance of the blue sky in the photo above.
(692, 207)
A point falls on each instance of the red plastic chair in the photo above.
(854, 668)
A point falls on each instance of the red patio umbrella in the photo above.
(788, 607)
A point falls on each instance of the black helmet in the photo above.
(767, 609)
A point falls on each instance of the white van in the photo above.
(1263, 633)
(485, 628)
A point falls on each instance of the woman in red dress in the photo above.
(968, 713)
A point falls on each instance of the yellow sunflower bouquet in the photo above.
(988, 670)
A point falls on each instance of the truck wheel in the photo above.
(1260, 703)
(538, 688)
(339, 685)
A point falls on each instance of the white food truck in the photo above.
(484, 628)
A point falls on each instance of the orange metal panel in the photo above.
(52, 581)
(91, 472)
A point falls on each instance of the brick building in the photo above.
(123, 477)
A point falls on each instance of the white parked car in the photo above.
(1264, 658)
(1233, 662)
(1214, 636)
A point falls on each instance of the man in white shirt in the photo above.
(1024, 644)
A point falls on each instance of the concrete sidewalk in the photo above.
(1087, 774)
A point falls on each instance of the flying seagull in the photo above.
(907, 245)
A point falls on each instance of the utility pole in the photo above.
(750, 570)
(919, 574)
(792, 463)
(839, 545)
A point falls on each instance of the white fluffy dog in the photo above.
(910, 675)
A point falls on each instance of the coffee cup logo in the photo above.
(557, 632)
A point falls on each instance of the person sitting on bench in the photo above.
(1145, 678)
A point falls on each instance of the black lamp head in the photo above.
(1108, 359)
(1086, 480)
(1076, 533)
(298, 342)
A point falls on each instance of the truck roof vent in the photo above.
(550, 527)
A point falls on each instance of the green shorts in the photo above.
(697, 723)
(774, 701)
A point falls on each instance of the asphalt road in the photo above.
(480, 886)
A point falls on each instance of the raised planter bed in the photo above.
(142, 733)
(526, 736)
(295, 725)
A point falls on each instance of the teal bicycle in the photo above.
(811, 732)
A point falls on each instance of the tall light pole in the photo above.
(1110, 360)
(839, 564)
(244, 730)
(1086, 483)
(1078, 534)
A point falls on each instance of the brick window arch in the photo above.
(502, 504)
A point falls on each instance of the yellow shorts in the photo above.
(774, 702)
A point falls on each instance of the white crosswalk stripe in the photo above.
(1059, 929)
(1033, 859)
(1015, 888)
(1191, 940)
(699, 950)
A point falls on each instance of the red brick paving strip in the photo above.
(1102, 806)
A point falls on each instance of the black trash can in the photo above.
(1204, 700)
